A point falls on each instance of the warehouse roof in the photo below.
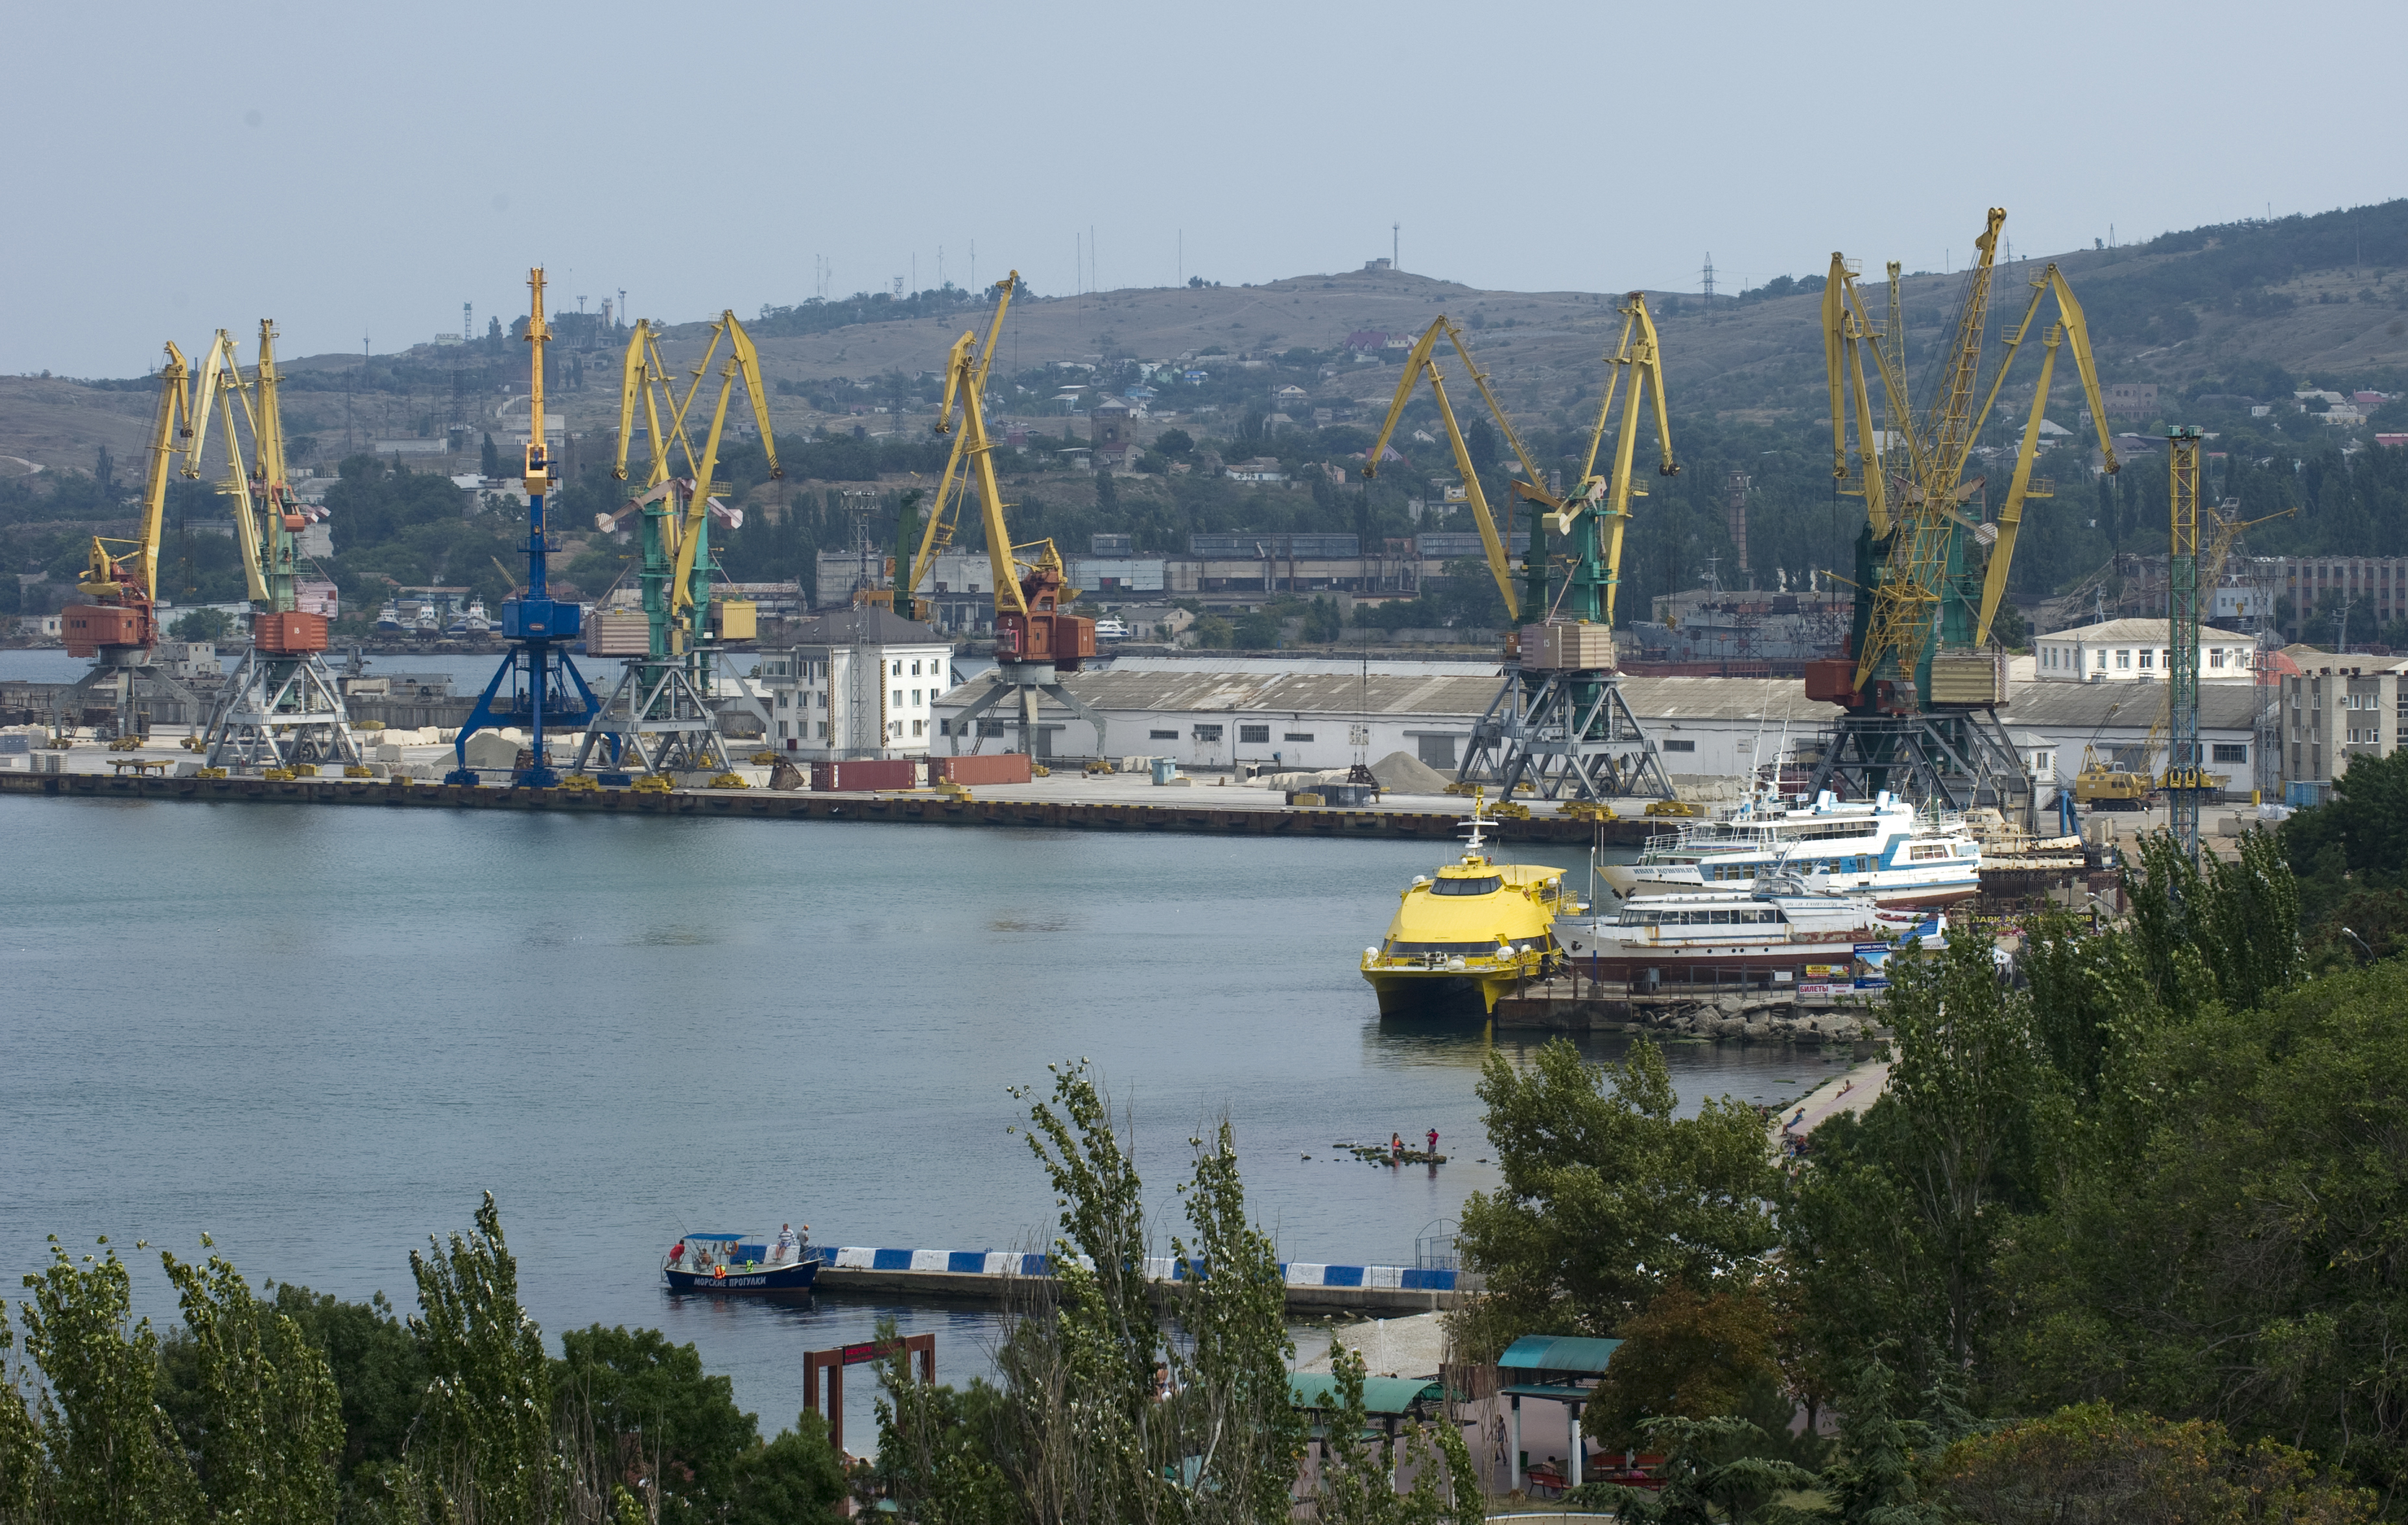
(1769, 701)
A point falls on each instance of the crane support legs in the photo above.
(655, 720)
(1025, 683)
(279, 710)
(131, 686)
(1953, 759)
(1570, 735)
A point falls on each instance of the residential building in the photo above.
(1109, 431)
(2332, 714)
(860, 682)
(2374, 588)
(2131, 399)
(1260, 468)
(2135, 650)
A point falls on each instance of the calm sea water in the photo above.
(319, 1034)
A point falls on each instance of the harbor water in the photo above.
(318, 1034)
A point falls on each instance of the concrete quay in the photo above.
(1754, 1015)
(1117, 802)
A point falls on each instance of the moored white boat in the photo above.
(1781, 930)
(1883, 848)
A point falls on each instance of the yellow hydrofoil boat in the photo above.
(1469, 935)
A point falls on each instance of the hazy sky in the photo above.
(364, 170)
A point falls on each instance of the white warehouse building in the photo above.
(1207, 714)
(861, 682)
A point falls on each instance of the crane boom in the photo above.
(217, 386)
(1418, 365)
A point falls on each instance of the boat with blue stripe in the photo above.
(733, 1263)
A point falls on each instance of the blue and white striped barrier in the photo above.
(1157, 1268)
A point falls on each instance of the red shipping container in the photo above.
(289, 634)
(866, 773)
(991, 767)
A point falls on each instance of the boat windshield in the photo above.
(1488, 885)
(1397, 949)
(1717, 917)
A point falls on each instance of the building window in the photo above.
(990, 727)
(1254, 733)
(823, 698)
(944, 727)
(781, 729)
(915, 669)
(1680, 746)
(915, 698)
(2102, 661)
(898, 698)
(2215, 655)
(1161, 736)
(918, 727)
(1208, 733)
(2231, 752)
(823, 730)
(2146, 660)
(2124, 660)
(898, 669)
(1295, 736)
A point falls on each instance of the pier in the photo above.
(1066, 810)
(994, 1276)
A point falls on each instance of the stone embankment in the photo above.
(1754, 1015)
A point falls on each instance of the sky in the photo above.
(359, 172)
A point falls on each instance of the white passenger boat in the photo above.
(1883, 848)
(1785, 928)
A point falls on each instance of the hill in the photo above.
(2213, 316)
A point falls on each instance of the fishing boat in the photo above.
(478, 621)
(1785, 926)
(735, 1263)
(1882, 847)
(429, 622)
(388, 620)
(1468, 934)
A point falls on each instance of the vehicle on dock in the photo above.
(1782, 928)
(1468, 934)
(1882, 847)
(735, 1263)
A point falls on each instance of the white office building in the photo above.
(2136, 652)
(858, 682)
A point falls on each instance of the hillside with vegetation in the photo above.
(2223, 320)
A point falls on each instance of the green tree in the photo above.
(2091, 1463)
(795, 1477)
(1607, 1196)
(1712, 1472)
(1322, 620)
(269, 1423)
(649, 1406)
(210, 624)
(1962, 1084)
(1257, 630)
(108, 1450)
(1684, 1355)
(1359, 1467)
(489, 1399)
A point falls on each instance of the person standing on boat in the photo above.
(785, 1244)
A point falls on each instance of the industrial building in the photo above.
(2136, 652)
(1209, 714)
(861, 681)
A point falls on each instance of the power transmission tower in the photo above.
(1709, 285)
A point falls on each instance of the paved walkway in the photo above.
(1852, 1092)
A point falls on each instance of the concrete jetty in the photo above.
(991, 1276)
(1112, 804)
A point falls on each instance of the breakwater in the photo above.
(766, 804)
(992, 1277)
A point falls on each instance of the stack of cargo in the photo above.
(861, 774)
(619, 632)
(1572, 645)
(989, 768)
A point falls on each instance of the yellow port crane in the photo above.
(281, 706)
(120, 626)
(1559, 718)
(662, 715)
(1919, 692)
(1036, 641)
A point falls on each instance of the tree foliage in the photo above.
(1606, 1195)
